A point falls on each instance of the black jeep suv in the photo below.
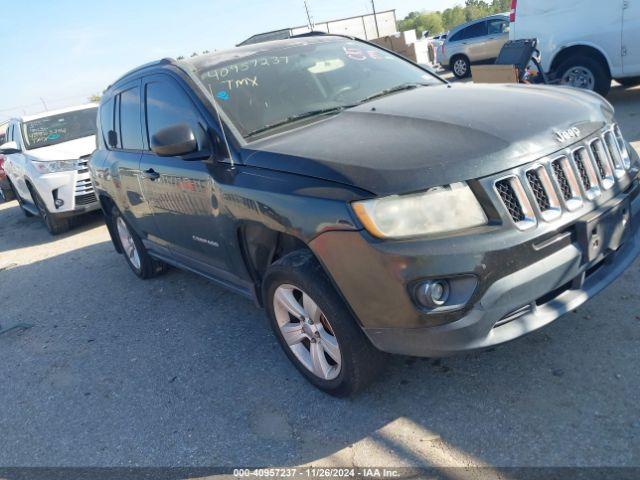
(367, 204)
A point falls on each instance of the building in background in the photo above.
(361, 26)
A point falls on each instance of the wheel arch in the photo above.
(586, 49)
(108, 205)
(261, 246)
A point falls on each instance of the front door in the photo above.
(631, 38)
(497, 36)
(181, 193)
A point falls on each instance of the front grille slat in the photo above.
(578, 157)
(86, 199)
(539, 192)
(562, 180)
(510, 200)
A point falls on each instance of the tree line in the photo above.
(438, 22)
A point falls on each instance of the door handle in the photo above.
(151, 174)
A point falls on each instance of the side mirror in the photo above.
(174, 141)
(9, 148)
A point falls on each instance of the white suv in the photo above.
(46, 162)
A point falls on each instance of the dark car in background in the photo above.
(366, 204)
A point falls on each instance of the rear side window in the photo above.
(106, 120)
(166, 105)
(130, 128)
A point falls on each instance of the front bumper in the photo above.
(521, 287)
(73, 188)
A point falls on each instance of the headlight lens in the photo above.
(441, 209)
(55, 166)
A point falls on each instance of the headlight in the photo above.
(56, 166)
(441, 209)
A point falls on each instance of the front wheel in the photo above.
(56, 226)
(586, 73)
(134, 251)
(461, 67)
(315, 329)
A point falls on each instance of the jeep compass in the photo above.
(368, 205)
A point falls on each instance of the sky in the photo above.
(59, 52)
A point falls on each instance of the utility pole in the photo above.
(375, 18)
(44, 104)
(309, 19)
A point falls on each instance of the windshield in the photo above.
(289, 81)
(64, 127)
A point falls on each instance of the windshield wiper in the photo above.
(397, 88)
(299, 116)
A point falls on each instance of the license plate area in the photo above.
(604, 232)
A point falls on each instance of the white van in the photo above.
(47, 158)
(584, 43)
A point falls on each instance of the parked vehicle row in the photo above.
(340, 187)
(46, 163)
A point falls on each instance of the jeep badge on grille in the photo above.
(566, 135)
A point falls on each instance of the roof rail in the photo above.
(164, 61)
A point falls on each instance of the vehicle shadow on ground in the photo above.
(177, 371)
(19, 231)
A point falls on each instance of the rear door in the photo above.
(181, 190)
(124, 158)
(631, 38)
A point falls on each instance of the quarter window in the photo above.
(106, 120)
(130, 127)
(166, 105)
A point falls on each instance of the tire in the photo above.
(461, 67)
(134, 251)
(629, 82)
(56, 226)
(299, 277)
(27, 213)
(585, 72)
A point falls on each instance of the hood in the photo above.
(70, 150)
(433, 136)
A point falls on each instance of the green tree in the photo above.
(95, 98)
(452, 17)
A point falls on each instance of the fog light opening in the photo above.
(58, 202)
(434, 293)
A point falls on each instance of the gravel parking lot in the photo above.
(108, 370)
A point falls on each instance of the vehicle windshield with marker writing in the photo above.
(290, 83)
(366, 204)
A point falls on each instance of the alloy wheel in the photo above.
(307, 332)
(579, 77)
(128, 245)
(460, 67)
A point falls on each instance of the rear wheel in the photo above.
(134, 251)
(315, 329)
(585, 72)
(56, 226)
(461, 67)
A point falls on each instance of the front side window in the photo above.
(476, 30)
(166, 105)
(498, 27)
(130, 127)
(267, 88)
(47, 131)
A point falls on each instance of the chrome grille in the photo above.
(546, 189)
